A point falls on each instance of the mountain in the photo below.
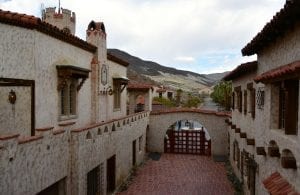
(152, 72)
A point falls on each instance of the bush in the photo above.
(165, 101)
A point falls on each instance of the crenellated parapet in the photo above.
(63, 19)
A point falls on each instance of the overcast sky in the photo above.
(203, 36)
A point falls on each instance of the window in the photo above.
(252, 101)
(119, 84)
(288, 106)
(245, 102)
(260, 98)
(236, 154)
(170, 95)
(70, 81)
(239, 96)
(68, 96)
(233, 100)
(117, 95)
(140, 143)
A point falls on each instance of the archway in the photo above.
(139, 104)
(187, 137)
(214, 122)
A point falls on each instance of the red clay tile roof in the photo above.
(32, 22)
(283, 21)
(161, 90)
(114, 58)
(241, 70)
(138, 86)
(276, 184)
(291, 70)
(191, 110)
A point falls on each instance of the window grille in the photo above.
(260, 98)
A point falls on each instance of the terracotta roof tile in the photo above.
(135, 85)
(277, 185)
(161, 90)
(280, 73)
(241, 70)
(178, 110)
(284, 20)
(32, 22)
(116, 59)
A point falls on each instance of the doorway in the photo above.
(111, 174)
(134, 153)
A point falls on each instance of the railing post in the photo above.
(202, 142)
(209, 148)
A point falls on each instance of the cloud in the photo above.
(164, 30)
(185, 59)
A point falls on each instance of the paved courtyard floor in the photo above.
(176, 174)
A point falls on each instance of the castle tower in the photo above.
(64, 19)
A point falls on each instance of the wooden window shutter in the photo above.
(240, 101)
(253, 103)
(291, 106)
(232, 103)
(245, 102)
(281, 107)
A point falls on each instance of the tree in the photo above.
(192, 101)
(222, 94)
(178, 97)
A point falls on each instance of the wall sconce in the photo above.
(12, 97)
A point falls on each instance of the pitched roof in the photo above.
(161, 90)
(138, 86)
(241, 70)
(283, 21)
(114, 58)
(276, 184)
(32, 22)
(287, 71)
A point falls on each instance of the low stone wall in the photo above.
(28, 165)
(92, 147)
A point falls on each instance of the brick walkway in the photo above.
(176, 174)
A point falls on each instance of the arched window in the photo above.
(68, 84)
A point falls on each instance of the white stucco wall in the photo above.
(28, 54)
(28, 168)
(103, 145)
(215, 125)
(15, 118)
(281, 52)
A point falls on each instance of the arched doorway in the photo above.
(139, 104)
(187, 137)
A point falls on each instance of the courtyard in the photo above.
(180, 174)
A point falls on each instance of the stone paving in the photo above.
(176, 174)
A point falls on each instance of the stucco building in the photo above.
(64, 127)
(263, 131)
